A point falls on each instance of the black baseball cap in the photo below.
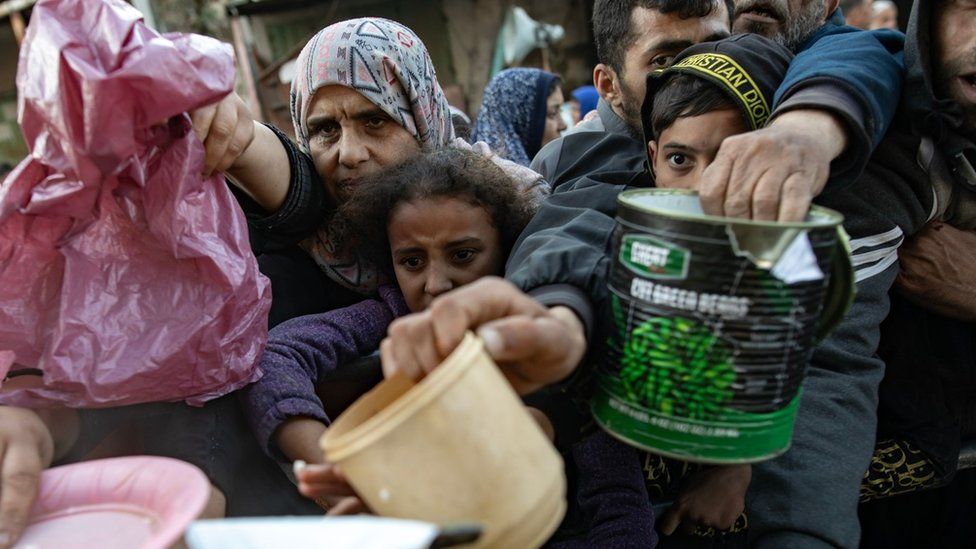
(747, 67)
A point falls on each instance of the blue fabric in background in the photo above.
(587, 98)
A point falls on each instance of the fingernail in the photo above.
(298, 466)
(493, 341)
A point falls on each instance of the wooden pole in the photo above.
(17, 23)
(247, 75)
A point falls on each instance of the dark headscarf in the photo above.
(388, 64)
(512, 118)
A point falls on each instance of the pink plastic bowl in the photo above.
(129, 502)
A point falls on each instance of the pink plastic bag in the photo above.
(125, 276)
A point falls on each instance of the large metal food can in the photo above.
(714, 322)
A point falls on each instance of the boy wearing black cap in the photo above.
(713, 91)
(716, 90)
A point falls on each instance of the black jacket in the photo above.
(298, 285)
(593, 146)
(926, 396)
(305, 207)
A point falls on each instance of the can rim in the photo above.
(822, 217)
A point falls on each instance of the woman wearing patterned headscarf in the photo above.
(520, 113)
(365, 97)
(386, 64)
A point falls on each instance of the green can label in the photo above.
(672, 388)
(714, 322)
(735, 437)
(689, 300)
(648, 256)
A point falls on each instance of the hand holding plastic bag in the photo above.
(125, 276)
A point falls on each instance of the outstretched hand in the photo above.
(226, 129)
(774, 173)
(534, 345)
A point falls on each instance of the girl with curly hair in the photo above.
(434, 223)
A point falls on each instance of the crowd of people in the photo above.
(384, 228)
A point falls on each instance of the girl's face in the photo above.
(438, 244)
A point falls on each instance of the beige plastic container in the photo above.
(459, 446)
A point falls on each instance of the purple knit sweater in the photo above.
(303, 351)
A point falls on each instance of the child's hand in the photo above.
(351, 505)
(322, 480)
(325, 483)
(713, 498)
(544, 423)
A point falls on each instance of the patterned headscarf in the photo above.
(512, 118)
(388, 64)
(385, 62)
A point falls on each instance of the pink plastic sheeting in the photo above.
(125, 276)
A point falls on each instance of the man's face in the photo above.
(955, 45)
(660, 37)
(789, 22)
